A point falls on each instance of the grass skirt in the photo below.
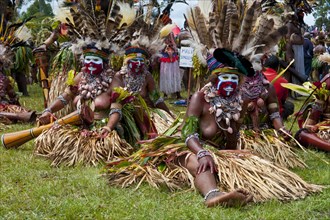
(270, 146)
(155, 164)
(68, 145)
(161, 119)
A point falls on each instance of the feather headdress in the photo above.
(234, 27)
(94, 30)
(145, 39)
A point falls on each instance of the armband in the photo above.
(62, 99)
(273, 105)
(274, 115)
(317, 106)
(190, 137)
(116, 110)
(46, 110)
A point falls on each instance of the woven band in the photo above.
(116, 110)
(62, 99)
(274, 115)
(202, 153)
(159, 101)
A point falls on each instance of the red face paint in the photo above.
(93, 64)
(136, 65)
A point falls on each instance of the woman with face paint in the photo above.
(138, 80)
(213, 164)
(95, 91)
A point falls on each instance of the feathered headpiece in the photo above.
(94, 30)
(233, 27)
(146, 40)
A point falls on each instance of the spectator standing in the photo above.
(308, 53)
(170, 74)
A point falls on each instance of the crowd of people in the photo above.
(236, 117)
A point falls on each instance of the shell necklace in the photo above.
(93, 85)
(224, 108)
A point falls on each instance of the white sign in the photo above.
(186, 57)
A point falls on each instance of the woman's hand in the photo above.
(45, 118)
(105, 130)
(206, 163)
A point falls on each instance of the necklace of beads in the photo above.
(134, 82)
(253, 87)
(224, 108)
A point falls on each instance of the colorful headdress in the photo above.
(94, 30)
(233, 27)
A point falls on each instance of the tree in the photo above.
(40, 8)
(322, 15)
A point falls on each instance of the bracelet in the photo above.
(202, 153)
(63, 100)
(116, 110)
(274, 115)
(209, 192)
(191, 136)
(46, 110)
(159, 101)
(106, 128)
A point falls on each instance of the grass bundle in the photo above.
(270, 146)
(264, 179)
(69, 146)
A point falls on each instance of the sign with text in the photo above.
(186, 57)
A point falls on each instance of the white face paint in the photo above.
(94, 64)
(227, 83)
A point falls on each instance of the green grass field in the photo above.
(31, 189)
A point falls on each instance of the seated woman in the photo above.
(316, 127)
(94, 86)
(205, 156)
(263, 123)
(134, 74)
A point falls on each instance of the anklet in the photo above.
(211, 191)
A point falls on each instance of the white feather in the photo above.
(128, 13)
(206, 7)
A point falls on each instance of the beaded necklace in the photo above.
(224, 108)
(253, 87)
(134, 82)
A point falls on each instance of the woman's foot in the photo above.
(239, 197)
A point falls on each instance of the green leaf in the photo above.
(297, 88)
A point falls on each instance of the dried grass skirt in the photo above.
(155, 164)
(68, 145)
